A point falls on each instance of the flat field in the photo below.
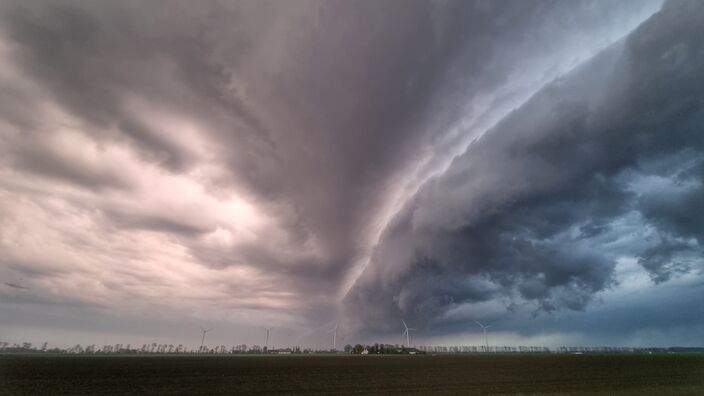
(344, 375)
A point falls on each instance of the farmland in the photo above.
(342, 375)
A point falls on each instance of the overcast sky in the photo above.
(242, 165)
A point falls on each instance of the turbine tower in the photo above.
(202, 339)
(407, 333)
(266, 345)
(486, 339)
(334, 337)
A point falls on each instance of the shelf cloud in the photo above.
(290, 164)
(601, 164)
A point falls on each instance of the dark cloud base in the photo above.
(537, 209)
(240, 159)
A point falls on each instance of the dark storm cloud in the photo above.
(322, 127)
(532, 207)
(251, 152)
(360, 100)
(669, 257)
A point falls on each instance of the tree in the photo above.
(348, 348)
(358, 348)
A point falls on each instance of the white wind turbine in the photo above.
(334, 337)
(407, 333)
(202, 339)
(266, 345)
(484, 327)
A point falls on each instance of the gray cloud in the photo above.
(155, 223)
(240, 159)
(533, 206)
(14, 285)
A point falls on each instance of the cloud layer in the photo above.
(601, 165)
(252, 163)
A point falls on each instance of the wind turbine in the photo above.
(266, 345)
(334, 337)
(407, 333)
(484, 327)
(202, 339)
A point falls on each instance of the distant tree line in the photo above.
(359, 349)
(381, 349)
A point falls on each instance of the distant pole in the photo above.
(266, 345)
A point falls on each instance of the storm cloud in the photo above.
(255, 163)
(601, 164)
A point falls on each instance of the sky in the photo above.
(534, 165)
